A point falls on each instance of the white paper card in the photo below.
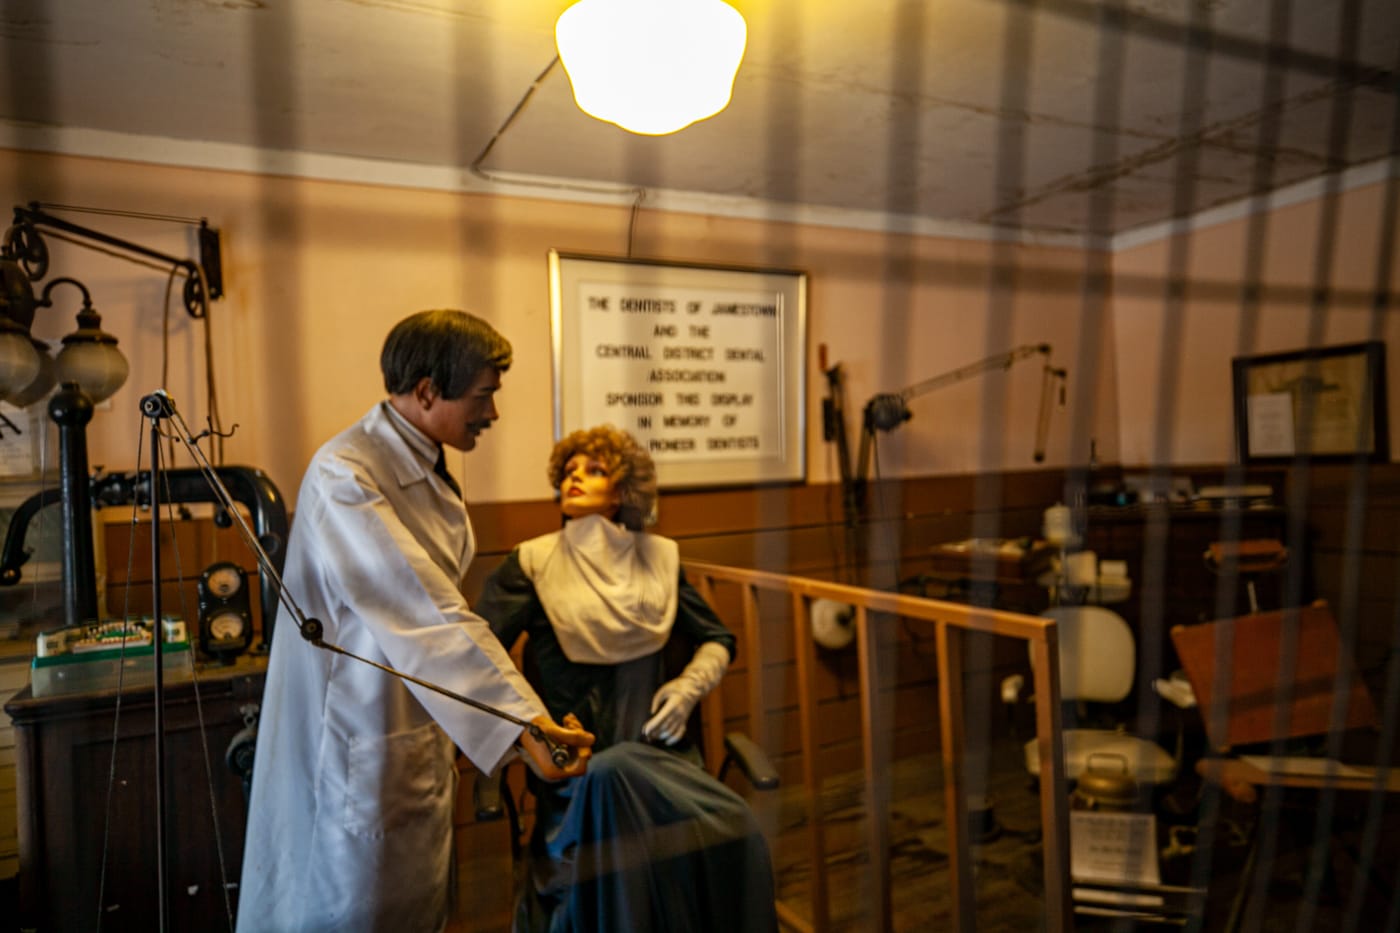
(1271, 425)
(1120, 848)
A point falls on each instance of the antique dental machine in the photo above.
(90, 369)
(888, 410)
(249, 487)
(24, 260)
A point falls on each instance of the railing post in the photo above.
(952, 741)
(714, 724)
(1054, 788)
(807, 700)
(877, 788)
(753, 646)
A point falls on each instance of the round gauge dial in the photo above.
(226, 626)
(224, 580)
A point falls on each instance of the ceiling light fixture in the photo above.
(651, 66)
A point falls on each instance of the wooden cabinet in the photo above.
(14, 674)
(71, 811)
(1164, 548)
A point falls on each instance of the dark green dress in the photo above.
(646, 840)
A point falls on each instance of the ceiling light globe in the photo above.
(19, 362)
(651, 66)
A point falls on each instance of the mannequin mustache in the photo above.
(478, 425)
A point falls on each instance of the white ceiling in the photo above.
(1020, 113)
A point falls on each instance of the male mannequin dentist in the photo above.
(350, 821)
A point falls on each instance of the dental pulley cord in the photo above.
(159, 405)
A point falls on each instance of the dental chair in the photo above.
(1113, 773)
(1098, 663)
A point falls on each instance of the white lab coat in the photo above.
(350, 822)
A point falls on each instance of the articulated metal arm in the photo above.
(887, 411)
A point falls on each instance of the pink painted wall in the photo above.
(317, 272)
(1174, 375)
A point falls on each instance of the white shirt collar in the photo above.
(421, 444)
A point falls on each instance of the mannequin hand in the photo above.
(675, 699)
(671, 705)
(571, 734)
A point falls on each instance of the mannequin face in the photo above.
(455, 422)
(587, 489)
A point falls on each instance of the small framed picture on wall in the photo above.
(704, 365)
(1323, 403)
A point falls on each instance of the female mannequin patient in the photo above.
(646, 840)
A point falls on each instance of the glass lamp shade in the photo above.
(19, 362)
(41, 384)
(651, 66)
(98, 367)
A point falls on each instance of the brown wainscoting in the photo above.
(796, 529)
(802, 530)
(1352, 535)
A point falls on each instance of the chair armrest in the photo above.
(487, 798)
(752, 760)
(1176, 689)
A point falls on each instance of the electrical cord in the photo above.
(636, 192)
(113, 212)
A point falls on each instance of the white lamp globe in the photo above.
(19, 362)
(42, 383)
(651, 66)
(99, 369)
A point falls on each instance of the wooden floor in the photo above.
(1007, 867)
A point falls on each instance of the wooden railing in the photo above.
(951, 622)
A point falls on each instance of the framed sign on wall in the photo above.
(704, 365)
(1327, 403)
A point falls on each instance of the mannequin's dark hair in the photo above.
(449, 347)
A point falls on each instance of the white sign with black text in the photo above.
(702, 365)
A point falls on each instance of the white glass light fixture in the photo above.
(651, 66)
(41, 384)
(27, 373)
(19, 361)
(90, 357)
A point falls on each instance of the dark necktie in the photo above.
(440, 468)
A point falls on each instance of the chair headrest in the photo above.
(1098, 654)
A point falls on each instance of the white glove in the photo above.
(675, 699)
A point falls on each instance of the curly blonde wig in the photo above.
(630, 467)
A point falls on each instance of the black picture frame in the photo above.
(1321, 403)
